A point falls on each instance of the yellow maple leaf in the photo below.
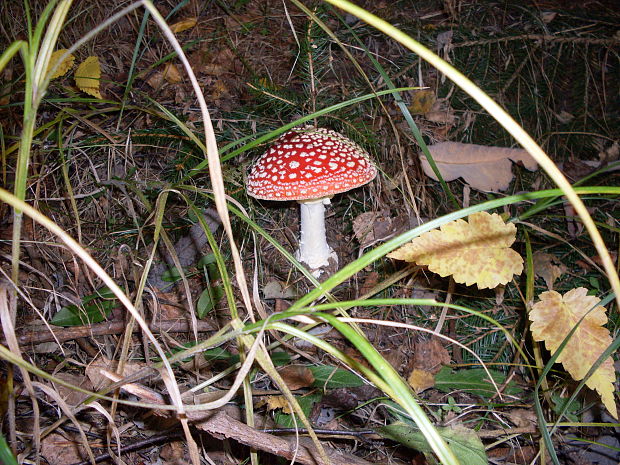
(66, 64)
(554, 316)
(477, 251)
(87, 76)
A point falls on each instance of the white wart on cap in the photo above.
(310, 165)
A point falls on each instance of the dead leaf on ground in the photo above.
(429, 356)
(474, 252)
(183, 25)
(420, 380)
(522, 417)
(441, 113)
(71, 396)
(483, 168)
(297, 376)
(65, 66)
(372, 227)
(422, 101)
(98, 380)
(58, 450)
(274, 403)
(156, 80)
(274, 290)
(548, 267)
(172, 74)
(87, 76)
(555, 315)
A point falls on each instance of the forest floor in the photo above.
(120, 167)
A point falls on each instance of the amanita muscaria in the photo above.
(310, 165)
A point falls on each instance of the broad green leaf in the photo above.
(6, 456)
(94, 309)
(474, 381)
(208, 299)
(205, 260)
(280, 358)
(328, 377)
(171, 275)
(464, 442)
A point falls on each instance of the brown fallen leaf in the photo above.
(483, 168)
(172, 74)
(548, 267)
(441, 113)
(297, 376)
(429, 356)
(58, 450)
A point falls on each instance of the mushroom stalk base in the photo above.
(314, 250)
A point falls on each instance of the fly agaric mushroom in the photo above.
(311, 165)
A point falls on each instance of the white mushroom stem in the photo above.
(314, 250)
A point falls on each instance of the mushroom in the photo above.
(310, 165)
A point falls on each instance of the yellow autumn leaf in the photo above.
(554, 316)
(87, 76)
(274, 403)
(477, 251)
(183, 25)
(422, 101)
(66, 64)
(420, 380)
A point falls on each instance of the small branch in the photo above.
(139, 445)
(99, 329)
(541, 37)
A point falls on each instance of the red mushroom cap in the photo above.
(308, 164)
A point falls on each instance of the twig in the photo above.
(164, 437)
(99, 329)
(506, 432)
(542, 37)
